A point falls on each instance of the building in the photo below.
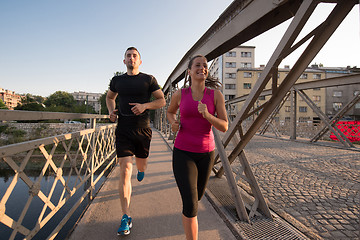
(236, 71)
(247, 77)
(92, 99)
(338, 97)
(225, 68)
(10, 98)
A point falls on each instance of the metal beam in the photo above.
(241, 21)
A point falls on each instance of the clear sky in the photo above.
(68, 45)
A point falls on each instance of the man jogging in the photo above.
(133, 132)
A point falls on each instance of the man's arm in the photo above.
(159, 102)
(111, 105)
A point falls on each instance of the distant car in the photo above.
(77, 122)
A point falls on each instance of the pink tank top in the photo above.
(195, 134)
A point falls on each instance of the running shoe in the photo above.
(140, 176)
(125, 226)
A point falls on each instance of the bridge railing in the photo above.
(68, 170)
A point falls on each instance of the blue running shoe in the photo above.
(140, 176)
(126, 224)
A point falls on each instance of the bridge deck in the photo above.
(313, 187)
(155, 205)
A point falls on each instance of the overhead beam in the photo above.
(241, 21)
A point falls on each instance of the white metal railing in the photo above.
(76, 161)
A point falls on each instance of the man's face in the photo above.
(132, 59)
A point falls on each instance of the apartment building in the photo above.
(338, 97)
(10, 98)
(91, 99)
(246, 79)
(225, 68)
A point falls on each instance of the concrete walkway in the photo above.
(155, 205)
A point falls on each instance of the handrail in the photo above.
(85, 156)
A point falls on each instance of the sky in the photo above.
(48, 46)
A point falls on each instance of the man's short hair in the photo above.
(132, 48)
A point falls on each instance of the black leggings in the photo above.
(192, 172)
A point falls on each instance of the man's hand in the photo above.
(113, 115)
(137, 108)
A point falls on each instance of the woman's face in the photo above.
(199, 69)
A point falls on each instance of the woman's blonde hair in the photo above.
(210, 81)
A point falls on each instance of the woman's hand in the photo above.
(175, 126)
(202, 108)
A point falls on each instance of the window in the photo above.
(316, 98)
(304, 76)
(246, 54)
(287, 109)
(245, 65)
(302, 109)
(337, 106)
(231, 54)
(337, 94)
(261, 98)
(230, 86)
(247, 85)
(357, 106)
(356, 93)
(287, 119)
(230, 75)
(317, 76)
(228, 97)
(304, 119)
(247, 74)
(230, 64)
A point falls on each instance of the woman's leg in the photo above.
(185, 172)
(190, 227)
(204, 166)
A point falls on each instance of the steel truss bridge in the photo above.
(240, 22)
(90, 152)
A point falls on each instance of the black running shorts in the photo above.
(131, 142)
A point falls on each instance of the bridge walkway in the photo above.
(312, 191)
(155, 205)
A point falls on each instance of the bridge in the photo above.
(89, 154)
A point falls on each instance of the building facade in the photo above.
(225, 68)
(10, 98)
(338, 97)
(246, 79)
(92, 99)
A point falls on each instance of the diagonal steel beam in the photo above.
(330, 25)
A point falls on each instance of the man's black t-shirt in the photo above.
(133, 89)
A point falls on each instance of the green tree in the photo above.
(102, 98)
(60, 102)
(30, 103)
(2, 105)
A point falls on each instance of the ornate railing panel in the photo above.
(75, 162)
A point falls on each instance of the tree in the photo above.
(31, 103)
(2, 105)
(60, 102)
(102, 98)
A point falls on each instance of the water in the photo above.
(20, 196)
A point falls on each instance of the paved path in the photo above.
(155, 206)
(316, 185)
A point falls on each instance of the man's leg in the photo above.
(141, 164)
(125, 183)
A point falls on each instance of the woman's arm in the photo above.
(220, 122)
(172, 110)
